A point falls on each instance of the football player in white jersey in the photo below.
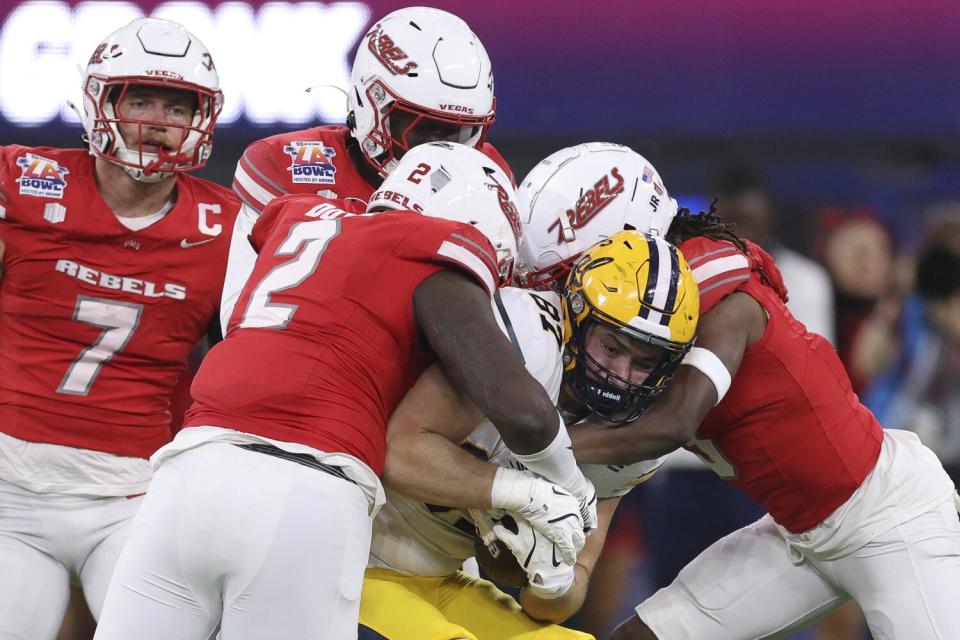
(615, 337)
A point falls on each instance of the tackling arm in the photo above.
(423, 459)
(455, 316)
(727, 330)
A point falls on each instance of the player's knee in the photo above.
(633, 629)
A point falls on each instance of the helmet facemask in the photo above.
(195, 138)
(633, 300)
(605, 393)
(549, 278)
(387, 142)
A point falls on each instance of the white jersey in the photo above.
(426, 540)
(42, 467)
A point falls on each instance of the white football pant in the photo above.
(749, 585)
(47, 539)
(257, 546)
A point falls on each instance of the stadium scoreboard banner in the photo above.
(679, 68)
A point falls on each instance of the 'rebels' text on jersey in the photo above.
(323, 342)
(790, 432)
(97, 320)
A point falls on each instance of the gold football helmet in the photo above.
(641, 287)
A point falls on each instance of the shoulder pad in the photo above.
(718, 267)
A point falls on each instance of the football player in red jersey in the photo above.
(420, 75)
(855, 511)
(428, 427)
(270, 488)
(643, 318)
(112, 263)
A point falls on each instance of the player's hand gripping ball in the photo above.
(497, 561)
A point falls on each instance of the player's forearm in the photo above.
(668, 424)
(596, 442)
(558, 609)
(455, 315)
(428, 467)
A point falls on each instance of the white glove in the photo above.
(557, 464)
(549, 576)
(586, 493)
(550, 510)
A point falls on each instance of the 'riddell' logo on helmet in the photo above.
(506, 205)
(592, 202)
(389, 54)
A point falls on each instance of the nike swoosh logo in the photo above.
(556, 563)
(184, 244)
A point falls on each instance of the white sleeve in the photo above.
(519, 317)
(240, 263)
(532, 322)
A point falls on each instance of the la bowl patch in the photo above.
(311, 162)
(41, 177)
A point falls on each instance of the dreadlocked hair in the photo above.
(705, 224)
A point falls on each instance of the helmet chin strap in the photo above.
(145, 174)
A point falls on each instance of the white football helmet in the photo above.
(580, 195)
(456, 182)
(420, 75)
(156, 53)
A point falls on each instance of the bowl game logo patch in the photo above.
(311, 162)
(41, 177)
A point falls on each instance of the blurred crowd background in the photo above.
(828, 130)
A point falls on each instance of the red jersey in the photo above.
(323, 342)
(97, 320)
(311, 161)
(790, 432)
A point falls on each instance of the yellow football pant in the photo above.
(403, 607)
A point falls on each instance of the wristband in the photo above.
(556, 462)
(707, 363)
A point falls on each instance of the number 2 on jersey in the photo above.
(118, 320)
(306, 241)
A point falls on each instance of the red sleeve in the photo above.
(462, 246)
(258, 179)
(7, 154)
(718, 266)
(491, 152)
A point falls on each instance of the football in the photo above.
(498, 563)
